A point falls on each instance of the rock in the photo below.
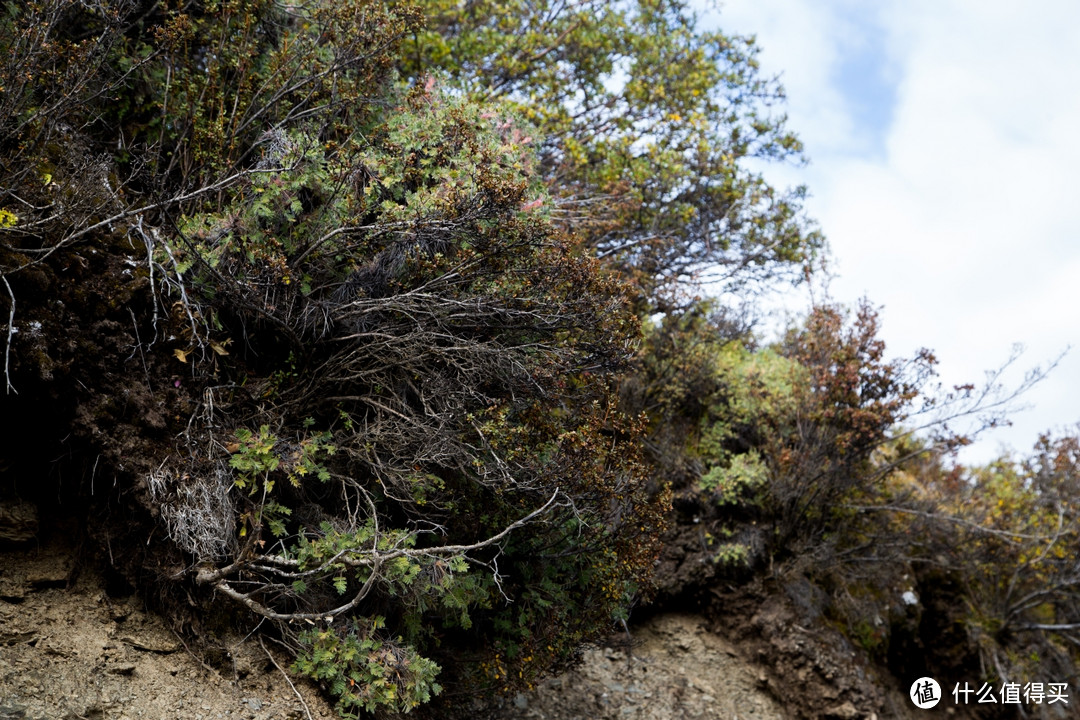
(18, 522)
(148, 644)
(52, 576)
(119, 612)
(659, 679)
(844, 711)
(11, 592)
(13, 638)
(122, 669)
(12, 712)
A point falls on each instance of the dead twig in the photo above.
(10, 333)
(307, 710)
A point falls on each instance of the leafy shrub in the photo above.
(389, 372)
(1009, 531)
(453, 350)
(364, 672)
(775, 441)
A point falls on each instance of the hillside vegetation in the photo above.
(377, 328)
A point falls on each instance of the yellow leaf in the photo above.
(181, 355)
(219, 348)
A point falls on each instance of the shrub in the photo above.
(1009, 531)
(451, 350)
(388, 374)
(649, 126)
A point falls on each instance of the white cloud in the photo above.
(964, 226)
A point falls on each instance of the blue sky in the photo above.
(944, 139)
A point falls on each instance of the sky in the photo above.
(944, 146)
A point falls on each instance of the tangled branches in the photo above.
(386, 370)
(417, 370)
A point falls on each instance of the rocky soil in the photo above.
(72, 647)
(77, 643)
(674, 668)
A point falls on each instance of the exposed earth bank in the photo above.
(76, 642)
(674, 668)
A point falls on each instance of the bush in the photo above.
(387, 373)
(648, 123)
(425, 360)
(1009, 532)
(775, 440)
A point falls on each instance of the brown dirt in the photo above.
(76, 642)
(69, 650)
(675, 668)
(72, 647)
(809, 665)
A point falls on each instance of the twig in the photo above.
(139, 349)
(1013, 537)
(307, 710)
(10, 334)
(149, 243)
(207, 575)
(133, 212)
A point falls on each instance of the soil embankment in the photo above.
(675, 668)
(76, 646)
(76, 642)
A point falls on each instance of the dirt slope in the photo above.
(675, 668)
(75, 652)
(77, 643)
(71, 650)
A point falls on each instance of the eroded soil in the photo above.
(69, 650)
(75, 643)
(675, 668)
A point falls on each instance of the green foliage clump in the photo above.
(257, 456)
(759, 391)
(740, 481)
(775, 440)
(367, 673)
(392, 275)
(460, 348)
